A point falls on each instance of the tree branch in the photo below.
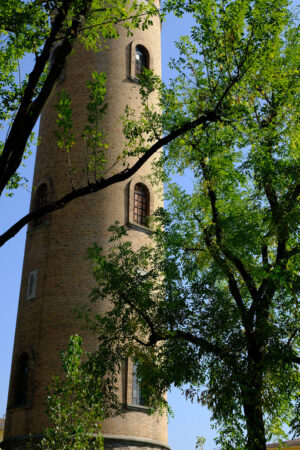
(242, 270)
(104, 183)
(115, 22)
(195, 249)
(203, 344)
(233, 286)
(213, 201)
(30, 109)
(237, 262)
(154, 337)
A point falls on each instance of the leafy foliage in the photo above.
(200, 442)
(92, 134)
(75, 415)
(214, 303)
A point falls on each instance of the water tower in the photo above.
(55, 275)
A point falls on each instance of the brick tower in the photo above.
(55, 275)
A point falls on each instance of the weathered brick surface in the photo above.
(58, 248)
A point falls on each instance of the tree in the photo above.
(75, 417)
(48, 30)
(214, 303)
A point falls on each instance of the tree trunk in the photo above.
(252, 403)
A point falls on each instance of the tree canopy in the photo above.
(214, 302)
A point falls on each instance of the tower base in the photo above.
(111, 442)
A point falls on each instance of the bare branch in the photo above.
(104, 183)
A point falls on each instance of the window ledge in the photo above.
(138, 227)
(134, 80)
(41, 225)
(133, 407)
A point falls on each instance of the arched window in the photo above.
(141, 59)
(21, 379)
(137, 397)
(40, 201)
(141, 204)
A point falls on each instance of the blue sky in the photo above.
(190, 419)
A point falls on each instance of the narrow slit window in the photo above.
(31, 284)
(41, 200)
(137, 396)
(141, 204)
(141, 59)
(21, 381)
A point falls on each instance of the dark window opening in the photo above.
(21, 380)
(31, 284)
(41, 200)
(137, 396)
(141, 204)
(141, 59)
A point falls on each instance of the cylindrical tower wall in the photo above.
(54, 260)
